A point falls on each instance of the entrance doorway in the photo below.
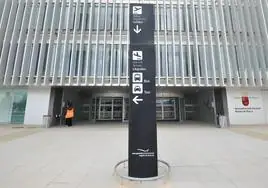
(107, 108)
(117, 109)
(191, 104)
(167, 109)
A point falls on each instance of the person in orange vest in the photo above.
(69, 115)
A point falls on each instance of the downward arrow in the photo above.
(136, 100)
(137, 29)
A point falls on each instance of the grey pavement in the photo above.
(84, 157)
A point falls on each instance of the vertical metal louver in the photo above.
(85, 42)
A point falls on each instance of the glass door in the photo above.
(159, 109)
(169, 109)
(117, 109)
(126, 109)
(166, 109)
(105, 109)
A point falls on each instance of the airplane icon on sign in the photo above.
(137, 9)
(137, 55)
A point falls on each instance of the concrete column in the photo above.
(37, 105)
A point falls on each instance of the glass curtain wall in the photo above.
(12, 106)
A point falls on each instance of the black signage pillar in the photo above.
(142, 119)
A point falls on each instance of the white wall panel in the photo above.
(37, 105)
(242, 114)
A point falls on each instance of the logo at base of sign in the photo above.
(137, 9)
(245, 100)
(143, 150)
(144, 153)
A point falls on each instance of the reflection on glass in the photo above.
(18, 109)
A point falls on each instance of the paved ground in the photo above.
(84, 157)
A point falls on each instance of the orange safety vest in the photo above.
(69, 113)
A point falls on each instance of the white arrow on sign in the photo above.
(137, 29)
(136, 100)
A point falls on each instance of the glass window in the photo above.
(192, 63)
(209, 58)
(35, 16)
(13, 58)
(83, 60)
(178, 61)
(109, 17)
(117, 18)
(217, 61)
(95, 18)
(208, 19)
(76, 60)
(89, 16)
(59, 62)
(223, 56)
(125, 17)
(107, 63)
(99, 62)
(175, 17)
(68, 57)
(162, 61)
(20, 53)
(92, 58)
(53, 59)
(190, 18)
(49, 17)
(170, 61)
(125, 61)
(115, 60)
(102, 17)
(44, 63)
(6, 103)
(72, 17)
(28, 62)
(161, 17)
(18, 107)
(202, 59)
(185, 61)
(64, 18)
(168, 18)
(43, 19)
(234, 60)
(56, 17)
(2, 4)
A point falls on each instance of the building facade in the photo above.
(212, 59)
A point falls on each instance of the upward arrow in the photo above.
(137, 29)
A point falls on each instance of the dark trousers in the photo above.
(69, 121)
